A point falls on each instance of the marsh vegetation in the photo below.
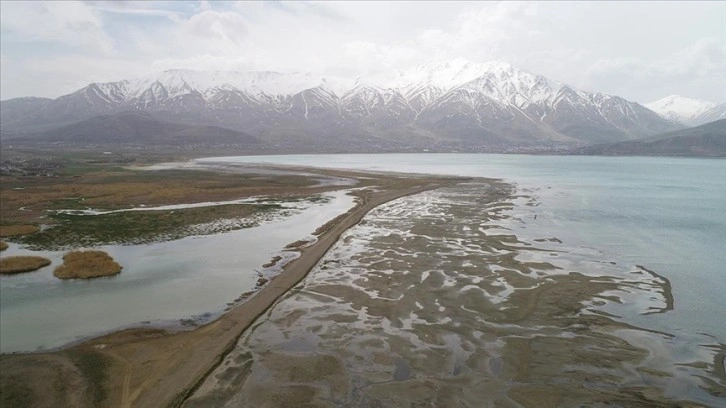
(19, 264)
(82, 181)
(16, 230)
(140, 227)
(86, 265)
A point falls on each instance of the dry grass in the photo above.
(3, 245)
(18, 264)
(86, 265)
(14, 230)
(125, 188)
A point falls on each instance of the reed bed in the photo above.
(20, 264)
(86, 265)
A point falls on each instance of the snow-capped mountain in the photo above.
(716, 113)
(681, 109)
(481, 103)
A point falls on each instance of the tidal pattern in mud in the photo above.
(433, 301)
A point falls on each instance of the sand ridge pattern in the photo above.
(433, 301)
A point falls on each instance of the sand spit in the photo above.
(86, 265)
(151, 367)
(19, 264)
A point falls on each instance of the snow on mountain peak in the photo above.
(255, 82)
(443, 75)
(416, 88)
(680, 108)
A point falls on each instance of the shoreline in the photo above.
(573, 305)
(149, 365)
(378, 321)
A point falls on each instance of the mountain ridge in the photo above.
(136, 128)
(684, 110)
(707, 140)
(483, 103)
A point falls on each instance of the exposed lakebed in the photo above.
(590, 281)
(434, 300)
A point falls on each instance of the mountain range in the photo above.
(687, 111)
(462, 103)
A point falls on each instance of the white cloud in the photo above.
(207, 62)
(73, 24)
(637, 50)
(210, 25)
(369, 58)
(686, 71)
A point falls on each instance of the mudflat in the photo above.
(153, 367)
(433, 300)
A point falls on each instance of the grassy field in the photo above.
(88, 179)
(86, 265)
(35, 185)
(20, 264)
(139, 227)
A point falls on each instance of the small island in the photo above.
(3, 245)
(20, 264)
(86, 265)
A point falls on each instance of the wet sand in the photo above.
(433, 301)
(151, 367)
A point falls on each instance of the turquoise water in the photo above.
(666, 214)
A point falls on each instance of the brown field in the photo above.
(86, 265)
(15, 230)
(82, 180)
(19, 264)
(80, 184)
(3, 245)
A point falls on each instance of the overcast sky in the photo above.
(640, 51)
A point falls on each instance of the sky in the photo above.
(642, 51)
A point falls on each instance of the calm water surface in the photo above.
(579, 280)
(666, 214)
(194, 277)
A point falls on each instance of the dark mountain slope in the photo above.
(133, 128)
(707, 140)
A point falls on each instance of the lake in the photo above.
(668, 214)
(591, 278)
(193, 278)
